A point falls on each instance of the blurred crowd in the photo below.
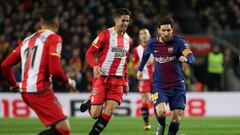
(82, 20)
(218, 15)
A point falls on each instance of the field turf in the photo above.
(127, 126)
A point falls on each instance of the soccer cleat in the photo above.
(160, 130)
(147, 127)
(85, 105)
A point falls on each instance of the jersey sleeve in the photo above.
(145, 57)
(13, 58)
(186, 51)
(98, 42)
(54, 58)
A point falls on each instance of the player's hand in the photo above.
(182, 59)
(15, 88)
(97, 72)
(139, 75)
(126, 88)
(72, 85)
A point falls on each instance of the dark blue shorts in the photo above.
(174, 96)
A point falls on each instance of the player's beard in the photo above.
(167, 38)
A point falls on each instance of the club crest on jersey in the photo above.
(59, 48)
(170, 50)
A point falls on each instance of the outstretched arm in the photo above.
(145, 57)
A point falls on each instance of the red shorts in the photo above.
(145, 86)
(46, 106)
(107, 88)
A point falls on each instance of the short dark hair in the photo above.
(165, 20)
(49, 14)
(122, 11)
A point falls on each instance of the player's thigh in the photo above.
(145, 97)
(64, 124)
(96, 111)
(110, 106)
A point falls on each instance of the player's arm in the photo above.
(145, 57)
(126, 88)
(54, 61)
(187, 55)
(92, 50)
(13, 58)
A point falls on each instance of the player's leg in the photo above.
(145, 88)
(177, 105)
(113, 99)
(160, 97)
(61, 128)
(94, 102)
(102, 121)
(175, 121)
(145, 97)
(161, 112)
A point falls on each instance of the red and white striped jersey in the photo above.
(113, 52)
(137, 57)
(35, 51)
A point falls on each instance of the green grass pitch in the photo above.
(127, 126)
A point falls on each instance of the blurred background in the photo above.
(210, 26)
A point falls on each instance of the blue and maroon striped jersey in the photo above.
(167, 69)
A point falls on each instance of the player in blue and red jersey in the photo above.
(169, 52)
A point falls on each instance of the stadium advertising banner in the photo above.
(200, 45)
(198, 104)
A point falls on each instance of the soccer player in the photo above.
(144, 85)
(110, 72)
(39, 55)
(169, 52)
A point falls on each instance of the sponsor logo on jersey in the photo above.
(165, 59)
(119, 52)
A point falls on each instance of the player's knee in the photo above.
(161, 113)
(64, 125)
(95, 112)
(95, 115)
(109, 110)
(176, 119)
